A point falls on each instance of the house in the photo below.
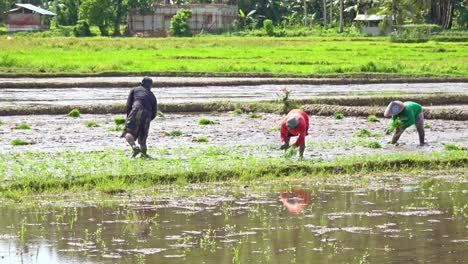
(205, 17)
(27, 17)
(369, 24)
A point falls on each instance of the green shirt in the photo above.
(408, 115)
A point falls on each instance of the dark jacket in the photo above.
(140, 98)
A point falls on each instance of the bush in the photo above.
(205, 121)
(74, 113)
(82, 29)
(338, 115)
(179, 26)
(91, 124)
(23, 126)
(202, 139)
(174, 133)
(119, 121)
(268, 26)
(20, 142)
(372, 118)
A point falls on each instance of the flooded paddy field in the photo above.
(327, 136)
(385, 218)
(104, 96)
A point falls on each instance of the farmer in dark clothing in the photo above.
(141, 109)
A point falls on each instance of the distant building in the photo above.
(27, 17)
(370, 24)
(205, 17)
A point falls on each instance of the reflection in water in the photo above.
(372, 221)
(295, 200)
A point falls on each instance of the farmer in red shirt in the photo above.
(296, 123)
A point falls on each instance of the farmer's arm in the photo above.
(155, 109)
(284, 134)
(129, 102)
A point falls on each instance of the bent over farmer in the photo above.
(141, 109)
(296, 123)
(403, 116)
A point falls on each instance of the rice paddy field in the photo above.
(209, 54)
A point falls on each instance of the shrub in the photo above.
(119, 121)
(372, 118)
(202, 139)
(82, 29)
(179, 23)
(91, 124)
(20, 142)
(23, 126)
(254, 115)
(339, 115)
(205, 121)
(174, 133)
(269, 28)
(74, 113)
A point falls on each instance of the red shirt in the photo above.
(300, 130)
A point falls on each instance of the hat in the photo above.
(394, 108)
(147, 81)
(292, 122)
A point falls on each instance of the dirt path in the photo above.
(328, 137)
(99, 96)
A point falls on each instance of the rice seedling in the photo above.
(2, 122)
(372, 118)
(119, 121)
(74, 113)
(427, 125)
(206, 121)
(366, 133)
(19, 142)
(274, 128)
(372, 144)
(202, 139)
(23, 126)
(117, 128)
(90, 124)
(451, 147)
(338, 115)
(253, 116)
(173, 133)
(290, 152)
(161, 114)
(237, 111)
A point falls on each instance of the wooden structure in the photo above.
(205, 17)
(27, 17)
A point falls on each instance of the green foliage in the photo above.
(237, 111)
(290, 152)
(74, 113)
(174, 133)
(81, 29)
(202, 139)
(179, 23)
(2, 122)
(91, 124)
(205, 121)
(20, 142)
(67, 12)
(254, 115)
(339, 116)
(452, 147)
(100, 13)
(23, 126)
(269, 28)
(141, 5)
(119, 121)
(372, 118)
(117, 128)
(373, 144)
(427, 125)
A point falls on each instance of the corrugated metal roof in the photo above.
(369, 17)
(35, 9)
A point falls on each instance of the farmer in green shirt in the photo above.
(403, 116)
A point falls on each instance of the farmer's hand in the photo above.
(284, 146)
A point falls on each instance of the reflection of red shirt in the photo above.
(300, 130)
(302, 200)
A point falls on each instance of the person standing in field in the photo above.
(296, 123)
(141, 110)
(403, 116)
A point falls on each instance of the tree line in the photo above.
(110, 14)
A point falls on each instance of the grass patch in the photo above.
(76, 171)
(74, 113)
(372, 118)
(254, 115)
(202, 139)
(173, 133)
(237, 111)
(119, 121)
(90, 124)
(20, 142)
(427, 125)
(338, 116)
(23, 126)
(453, 147)
(206, 121)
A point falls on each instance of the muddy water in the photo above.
(387, 219)
(84, 96)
